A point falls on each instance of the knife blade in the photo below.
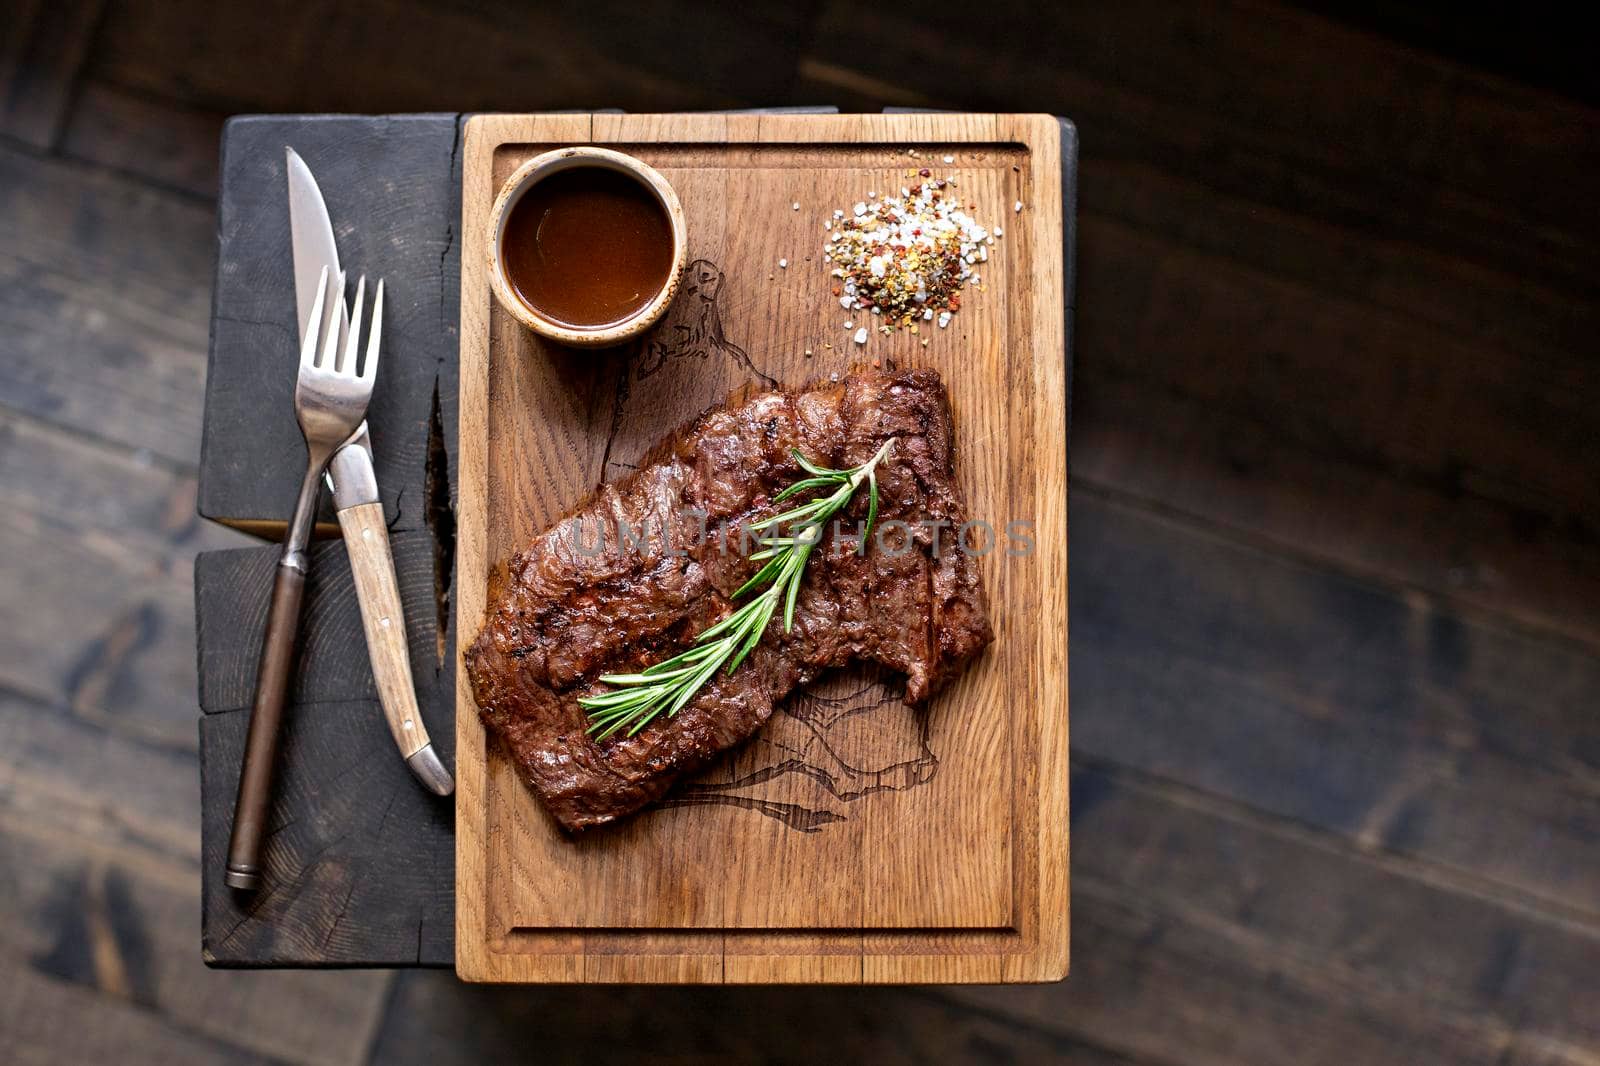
(353, 481)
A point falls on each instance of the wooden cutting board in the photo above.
(852, 840)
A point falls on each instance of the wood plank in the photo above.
(1474, 165)
(231, 593)
(1392, 719)
(436, 1017)
(99, 847)
(1542, 52)
(606, 54)
(168, 144)
(106, 539)
(356, 865)
(1452, 415)
(992, 879)
(104, 292)
(101, 494)
(107, 792)
(40, 59)
(1373, 936)
(117, 641)
(1164, 991)
(1398, 273)
(105, 924)
(49, 1021)
(1237, 474)
(407, 234)
(402, 913)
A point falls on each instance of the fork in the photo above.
(330, 401)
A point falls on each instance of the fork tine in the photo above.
(370, 367)
(308, 350)
(347, 362)
(330, 347)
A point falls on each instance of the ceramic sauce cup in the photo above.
(588, 246)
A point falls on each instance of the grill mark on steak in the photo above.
(559, 617)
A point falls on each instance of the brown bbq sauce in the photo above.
(587, 247)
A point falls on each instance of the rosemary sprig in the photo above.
(669, 685)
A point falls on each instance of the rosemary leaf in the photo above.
(667, 687)
(812, 468)
(801, 486)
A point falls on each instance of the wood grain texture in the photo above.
(1394, 720)
(1206, 934)
(40, 56)
(230, 608)
(953, 875)
(1225, 193)
(392, 191)
(499, 54)
(356, 866)
(99, 863)
(436, 1018)
(103, 326)
(372, 569)
(109, 623)
(170, 146)
(357, 861)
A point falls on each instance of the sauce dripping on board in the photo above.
(588, 247)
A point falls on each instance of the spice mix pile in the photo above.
(905, 258)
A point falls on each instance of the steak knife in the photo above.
(354, 484)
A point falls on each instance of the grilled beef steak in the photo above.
(640, 568)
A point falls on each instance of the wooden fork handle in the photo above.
(266, 716)
(366, 541)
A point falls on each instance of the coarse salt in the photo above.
(783, 264)
(861, 335)
(949, 159)
(905, 258)
(795, 205)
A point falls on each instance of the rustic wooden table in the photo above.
(1335, 600)
(360, 861)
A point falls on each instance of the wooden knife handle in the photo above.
(366, 540)
(266, 716)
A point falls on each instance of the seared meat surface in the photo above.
(646, 563)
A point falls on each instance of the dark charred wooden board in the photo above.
(393, 192)
(359, 866)
(360, 861)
